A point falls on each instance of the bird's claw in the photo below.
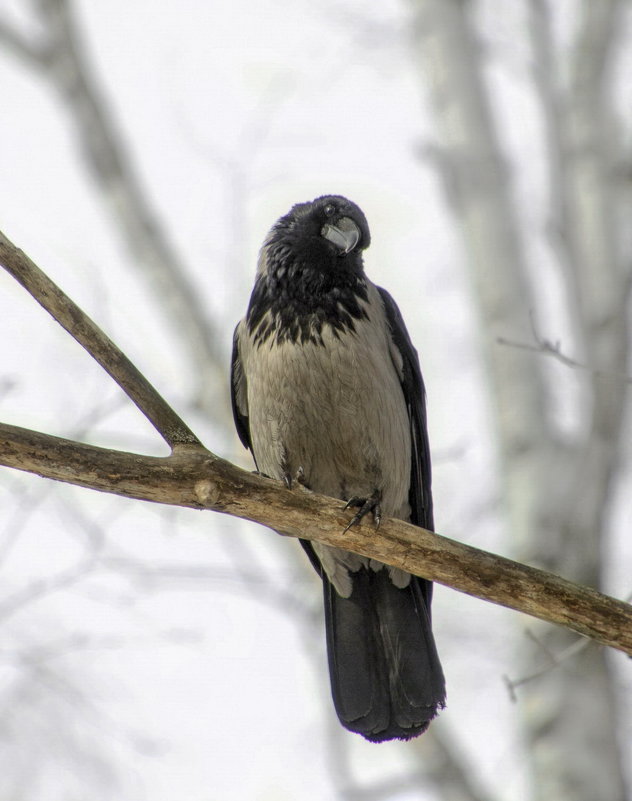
(299, 477)
(366, 505)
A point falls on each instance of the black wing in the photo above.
(420, 493)
(238, 394)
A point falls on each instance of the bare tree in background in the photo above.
(59, 56)
(555, 485)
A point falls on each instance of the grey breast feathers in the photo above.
(335, 409)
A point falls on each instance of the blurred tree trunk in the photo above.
(557, 491)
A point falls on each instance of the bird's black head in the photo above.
(326, 234)
(310, 271)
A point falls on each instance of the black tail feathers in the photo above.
(386, 678)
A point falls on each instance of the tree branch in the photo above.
(173, 430)
(196, 478)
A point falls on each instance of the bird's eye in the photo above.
(330, 210)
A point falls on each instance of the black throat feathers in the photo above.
(292, 300)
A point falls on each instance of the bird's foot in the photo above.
(366, 505)
(299, 477)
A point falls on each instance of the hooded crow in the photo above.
(327, 389)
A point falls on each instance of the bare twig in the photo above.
(555, 659)
(99, 346)
(554, 349)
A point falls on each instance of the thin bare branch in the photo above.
(555, 660)
(554, 349)
(99, 346)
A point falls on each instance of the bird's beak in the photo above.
(345, 234)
